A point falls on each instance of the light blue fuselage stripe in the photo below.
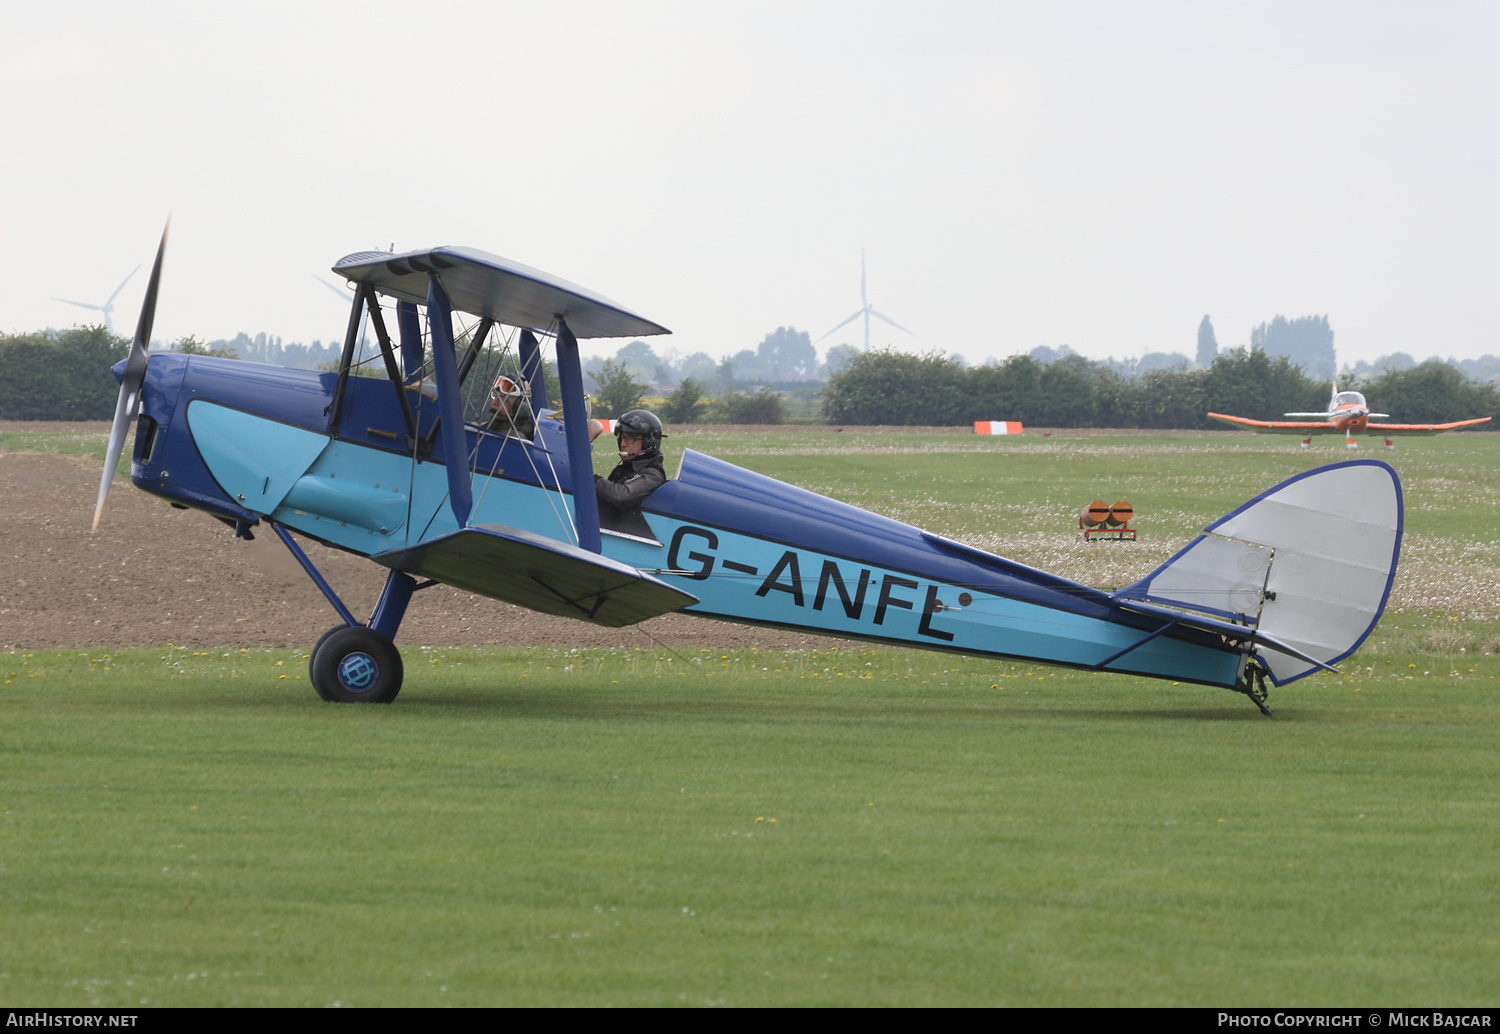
(751, 578)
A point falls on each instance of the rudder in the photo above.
(1309, 563)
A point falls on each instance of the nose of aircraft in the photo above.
(130, 372)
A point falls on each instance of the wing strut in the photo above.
(576, 430)
(388, 354)
(346, 360)
(533, 371)
(476, 345)
(450, 405)
(411, 338)
(464, 366)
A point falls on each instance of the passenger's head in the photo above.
(639, 434)
(506, 396)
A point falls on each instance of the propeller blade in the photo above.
(127, 407)
(148, 310)
(81, 305)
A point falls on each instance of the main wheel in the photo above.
(353, 664)
(312, 659)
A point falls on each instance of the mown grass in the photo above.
(970, 482)
(840, 827)
(70, 442)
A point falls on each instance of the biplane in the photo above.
(1348, 414)
(400, 468)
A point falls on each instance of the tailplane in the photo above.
(1308, 564)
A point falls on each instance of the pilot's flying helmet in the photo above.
(644, 424)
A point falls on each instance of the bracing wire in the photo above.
(490, 363)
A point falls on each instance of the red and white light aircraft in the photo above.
(1348, 414)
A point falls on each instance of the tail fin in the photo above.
(1308, 563)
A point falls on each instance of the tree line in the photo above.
(890, 387)
(66, 376)
(617, 391)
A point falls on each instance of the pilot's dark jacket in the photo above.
(631, 482)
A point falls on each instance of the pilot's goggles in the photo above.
(506, 388)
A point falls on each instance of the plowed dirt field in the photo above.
(153, 575)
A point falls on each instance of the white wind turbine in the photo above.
(109, 304)
(866, 309)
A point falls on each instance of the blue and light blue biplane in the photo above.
(401, 467)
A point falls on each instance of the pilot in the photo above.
(640, 471)
(510, 410)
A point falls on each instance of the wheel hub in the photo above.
(358, 672)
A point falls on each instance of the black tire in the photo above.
(312, 659)
(356, 665)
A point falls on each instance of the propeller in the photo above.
(129, 403)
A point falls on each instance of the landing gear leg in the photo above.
(1252, 683)
(359, 664)
(354, 663)
(345, 679)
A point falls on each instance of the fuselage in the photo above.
(1349, 412)
(249, 442)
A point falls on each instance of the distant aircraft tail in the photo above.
(1308, 564)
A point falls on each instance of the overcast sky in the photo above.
(1099, 175)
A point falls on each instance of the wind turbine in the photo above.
(345, 295)
(109, 304)
(866, 310)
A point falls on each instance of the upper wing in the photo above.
(499, 288)
(1422, 428)
(1276, 426)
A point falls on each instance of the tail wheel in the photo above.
(1252, 683)
(352, 664)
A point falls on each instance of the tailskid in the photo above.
(1252, 683)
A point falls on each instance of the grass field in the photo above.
(856, 826)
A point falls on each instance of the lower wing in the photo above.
(538, 573)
